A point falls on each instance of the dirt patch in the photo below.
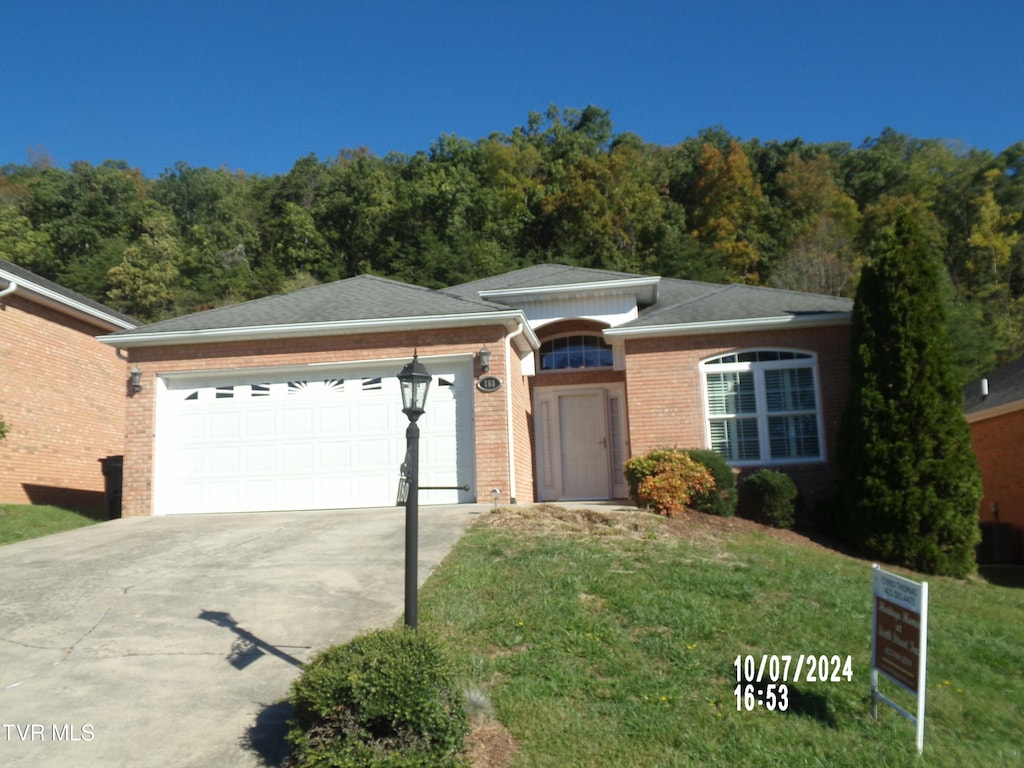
(552, 519)
(631, 523)
(490, 745)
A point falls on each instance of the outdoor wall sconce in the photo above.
(484, 355)
(135, 382)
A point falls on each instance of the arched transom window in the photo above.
(763, 406)
(577, 351)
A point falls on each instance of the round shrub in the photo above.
(384, 700)
(665, 479)
(720, 500)
(768, 497)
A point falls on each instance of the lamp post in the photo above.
(415, 381)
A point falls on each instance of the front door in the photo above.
(584, 445)
(579, 440)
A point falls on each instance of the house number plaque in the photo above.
(488, 384)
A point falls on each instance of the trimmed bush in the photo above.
(720, 500)
(664, 480)
(768, 497)
(384, 700)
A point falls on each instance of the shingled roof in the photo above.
(357, 303)
(686, 302)
(63, 299)
(998, 392)
(368, 302)
(539, 276)
(675, 305)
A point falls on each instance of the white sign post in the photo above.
(899, 642)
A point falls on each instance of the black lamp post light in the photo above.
(415, 381)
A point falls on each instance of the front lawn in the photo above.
(610, 640)
(28, 521)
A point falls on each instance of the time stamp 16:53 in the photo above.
(766, 683)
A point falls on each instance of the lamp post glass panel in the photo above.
(415, 381)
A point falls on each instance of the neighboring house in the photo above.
(61, 392)
(290, 402)
(994, 407)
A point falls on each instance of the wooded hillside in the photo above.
(561, 188)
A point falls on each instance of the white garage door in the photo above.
(298, 442)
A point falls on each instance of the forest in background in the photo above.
(562, 188)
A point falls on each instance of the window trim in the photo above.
(806, 359)
(598, 336)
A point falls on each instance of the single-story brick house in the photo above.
(994, 408)
(546, 380)
(61, 392)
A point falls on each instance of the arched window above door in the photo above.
(575, 352)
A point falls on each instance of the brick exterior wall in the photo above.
(62, 393)
(999, 446)
(665, 392)
(489, 408)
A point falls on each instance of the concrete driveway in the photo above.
(172, 641)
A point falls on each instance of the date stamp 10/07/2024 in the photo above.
(765, 683)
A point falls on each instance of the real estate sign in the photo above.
(899, 642)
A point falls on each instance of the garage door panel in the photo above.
(260, 423)
(224, 426)
(336, 455)
(296, 457)
(373, 418)
(259, 459)
(297, 421)
(222, 494)
(192, 426)
(335, 420)
(223, 460)
(255, 495)
(373, 453)
(295, 443)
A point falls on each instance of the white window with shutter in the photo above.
(763, 407)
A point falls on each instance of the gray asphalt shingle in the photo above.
(683, 302)
(1005, 386)
(366, 297)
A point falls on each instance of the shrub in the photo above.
(665, 479)
(769, 497)
(384, 700)
(720, 500)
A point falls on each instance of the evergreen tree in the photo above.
(910, 481)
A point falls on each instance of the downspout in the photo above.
(11, 288)
(508, 413)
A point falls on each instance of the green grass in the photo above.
(615, 652)
(28, 521)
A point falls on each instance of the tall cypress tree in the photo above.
(910, 480)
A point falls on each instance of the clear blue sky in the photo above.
(254, 85)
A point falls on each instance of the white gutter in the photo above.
(62, 303)
(142, 338)
(508, 413)
(817, 319)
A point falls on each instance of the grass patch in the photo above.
(613, 645)
(29, 521)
